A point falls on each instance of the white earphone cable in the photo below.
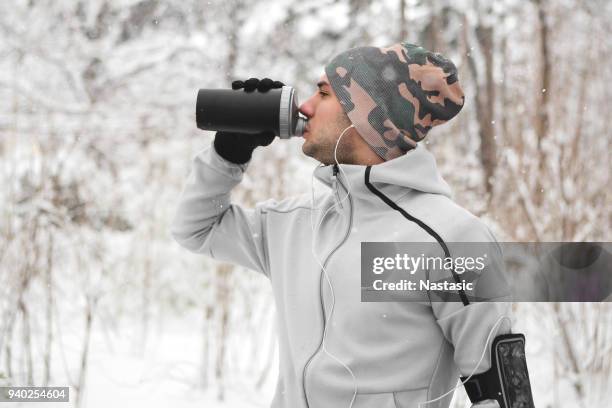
(312, 248)
(484, 351)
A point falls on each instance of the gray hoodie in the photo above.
(354, 354)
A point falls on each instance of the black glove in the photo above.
(238, 147)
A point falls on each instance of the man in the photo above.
(371, 108)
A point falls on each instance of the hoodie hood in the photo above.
(415, 170)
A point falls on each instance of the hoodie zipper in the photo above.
(346, 234)
(420, 223)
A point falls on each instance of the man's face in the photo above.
(326, 121)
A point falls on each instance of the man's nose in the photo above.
(307, 108)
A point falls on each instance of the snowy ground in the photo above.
(166, 371)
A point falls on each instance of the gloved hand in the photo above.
(238, 147)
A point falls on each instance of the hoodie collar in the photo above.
(414, 170)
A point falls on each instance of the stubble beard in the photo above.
(321, 146)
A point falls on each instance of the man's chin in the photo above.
(310, 150)
(307, 149)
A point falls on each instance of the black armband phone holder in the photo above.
(507, 381)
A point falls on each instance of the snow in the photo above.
(97, 135)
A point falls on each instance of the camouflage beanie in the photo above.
(394, 96)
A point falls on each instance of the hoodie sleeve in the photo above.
(472, 328)
(206, 222)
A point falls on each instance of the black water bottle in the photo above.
(250, 112)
